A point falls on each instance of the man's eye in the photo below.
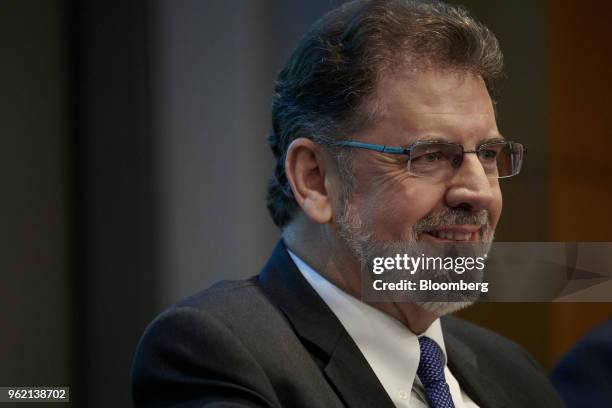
(488, 154)
(430, 157)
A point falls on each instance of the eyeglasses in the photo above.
(440, 160)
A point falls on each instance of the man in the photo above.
(384, 134)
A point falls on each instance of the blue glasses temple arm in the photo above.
(401, 150)
(375, 147)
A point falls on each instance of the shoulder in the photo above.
(206, 343)
(238, 309)
(590, 359)
(591, 354)
(599, 338)
(239, 298)
(479, 337)
(489, 347)
(499, 360)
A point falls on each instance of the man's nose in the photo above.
(470, 188)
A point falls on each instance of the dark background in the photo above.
(134, 166)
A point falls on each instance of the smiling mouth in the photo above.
(456, 234)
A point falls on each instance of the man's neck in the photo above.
(332, 260)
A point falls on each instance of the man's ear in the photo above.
(306, 172)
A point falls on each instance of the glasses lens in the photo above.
(503, 159)
(436, 160)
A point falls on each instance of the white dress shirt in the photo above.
(390, 348)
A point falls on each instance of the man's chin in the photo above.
(443, 308)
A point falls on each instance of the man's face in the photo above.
(388, 207)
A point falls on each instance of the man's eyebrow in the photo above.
(442, 139)
(499, 138)
(427, 139)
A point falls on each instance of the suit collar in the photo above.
(285, 286)
(463, 363)
(346, 368)
(314, 322)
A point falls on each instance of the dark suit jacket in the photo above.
(271, 341)
(584, 376)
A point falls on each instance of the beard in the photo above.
(364, 246)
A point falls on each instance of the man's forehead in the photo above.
(430, 104)
(433, 89)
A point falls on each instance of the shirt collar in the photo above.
(390, 348)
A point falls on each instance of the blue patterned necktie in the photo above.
(431, 374)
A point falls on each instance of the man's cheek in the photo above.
(496, 209)
(399, 216)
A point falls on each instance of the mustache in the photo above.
(452, 216)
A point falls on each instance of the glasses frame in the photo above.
(408, 150)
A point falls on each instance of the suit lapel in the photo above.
(353, 377)
(346, 368)
(463, 363)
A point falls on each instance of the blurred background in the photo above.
(134, 166)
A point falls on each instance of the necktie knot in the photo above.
(431, 374)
